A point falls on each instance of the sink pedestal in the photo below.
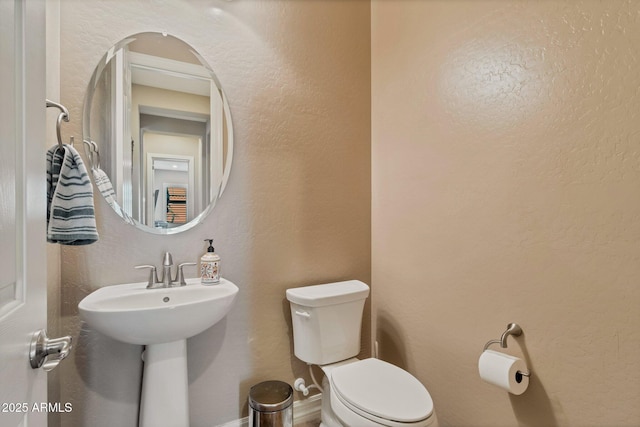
(165, 386)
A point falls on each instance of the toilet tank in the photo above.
(327, 320)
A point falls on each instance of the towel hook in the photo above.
(93, 148)
(64, 115)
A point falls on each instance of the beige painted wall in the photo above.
(505, 178)
(296, 210)
(162, 98)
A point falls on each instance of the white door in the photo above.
(22, 209)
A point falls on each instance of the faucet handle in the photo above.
(167, 260)
(180, 273)
(153, 274)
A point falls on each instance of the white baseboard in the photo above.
(303, 411)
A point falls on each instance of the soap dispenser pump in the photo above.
(210, 265)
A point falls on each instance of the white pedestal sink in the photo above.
(162, 319)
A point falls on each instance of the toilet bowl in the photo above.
(356, 393)
(372, 392)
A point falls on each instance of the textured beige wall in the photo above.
(296, 211)
(506, 169)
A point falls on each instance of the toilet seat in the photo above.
(382, 393)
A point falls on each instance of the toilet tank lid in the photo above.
(329, 293)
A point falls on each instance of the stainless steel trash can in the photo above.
(271, 405)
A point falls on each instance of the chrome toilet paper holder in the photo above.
(512, 329)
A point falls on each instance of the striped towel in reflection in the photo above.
(106, 188)
(70, 213)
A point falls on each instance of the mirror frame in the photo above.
(86, 134)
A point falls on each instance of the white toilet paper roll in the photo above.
(502, 370)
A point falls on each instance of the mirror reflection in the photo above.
(158, 133)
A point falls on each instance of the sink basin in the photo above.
(136, 315)
(161, 319)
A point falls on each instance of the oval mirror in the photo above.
(157, 133)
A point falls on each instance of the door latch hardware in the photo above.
(42, 348)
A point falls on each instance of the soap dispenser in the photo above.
(210, 265)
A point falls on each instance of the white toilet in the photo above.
(356, 393)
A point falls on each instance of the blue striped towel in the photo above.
(70, 213)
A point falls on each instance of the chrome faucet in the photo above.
(166, 281)
(167, 263)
